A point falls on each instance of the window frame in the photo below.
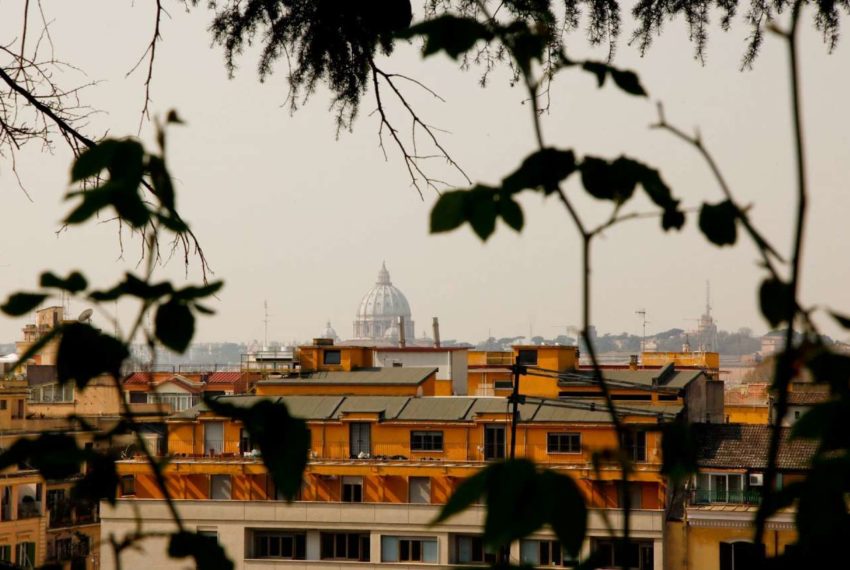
(351, 491)
(297, 544)
(560, 436)
(337, 354)
(428, 441)
(523, 356)
(413, 544)
(360, 540)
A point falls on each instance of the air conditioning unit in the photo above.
(756, 479)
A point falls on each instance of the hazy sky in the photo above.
(288, 213)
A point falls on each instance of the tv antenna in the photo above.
(265, 325)
(642, 314)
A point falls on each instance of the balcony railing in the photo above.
(734, 497)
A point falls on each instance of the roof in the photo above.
(429, 408)
(388, 375)
(419, 348)
(741, 446)
(138, 378)
(807, 398)
(667, 377)
(224, 377)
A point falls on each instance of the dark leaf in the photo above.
(55, 455)
(192, 293)
(718, 222)
(451, 34)
(36, 347)
(74, 283)
(614, 181)
(481, 211)
(600, 70)
(85, 353)
(773, 299)
(174, 325)
(100, 481)
(19, 304)
(128, 203)
(544, 169)
(672, 218)
(516, 505)
(525, 44)
(679, 452)
(449, 212)
(511, 212)
(628, 81)
(134, 287)
(161, 182)
(208, 553)
(831, 368)
(566, 511)
(173, 118)
(843, 320)
(468, 493)
(94, 160)
(92, 202)
(283, 441)
(657, 189)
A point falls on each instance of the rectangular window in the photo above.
(63, 549)
(426, 441)
(18, 411)
(563, 442)
(138, 398)
(3, 404)
(5, 552)
(332, 357)
(25, 555)
(419, 490)
(360, 440)
(528, 357)
(345, 546)
(273, 544)
(469, 549)
(637, 555)
(634, 444)
(722, 488)
(543, 553)
(408, 549)
(128, 485)
(220, 486)
(352, 489)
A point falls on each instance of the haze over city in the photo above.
(308, 235)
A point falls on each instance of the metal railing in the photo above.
(725, 496)
(67, 513)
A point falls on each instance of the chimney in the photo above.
(633, 362)
(436, 332)
(401, 339)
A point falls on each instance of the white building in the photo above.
(378, 316)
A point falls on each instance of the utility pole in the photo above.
(642, 314)
(515, 399)
(266, 325)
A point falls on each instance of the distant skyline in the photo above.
(289, 214)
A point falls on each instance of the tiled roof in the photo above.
(224, 377)
(740, 446)
(138, 378)
(807, 398)
(667, 376)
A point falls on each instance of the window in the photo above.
(3, 404)
(494, 442)
(352, 489)
(62, 549)
(740, 555)
(18, 412)
(138, 398)
(634, 442)
(83, 545)
(128, 485)
(345, 546)
(720, 488)
(527, 357)
(419, 490)
(25, 554)
(332, 357)
(220, 486)
(638, 555)
(426, 441)
(6, 552)
(469, 549)
(274, 544)
(543, 553)
(360, 440)
(563, 443)
(408, 549)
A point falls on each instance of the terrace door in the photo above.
(494, 442)
(213, 438)
(360, 439)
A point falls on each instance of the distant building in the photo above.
(378, 317)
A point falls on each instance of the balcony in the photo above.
(67, 513)
(725, 497)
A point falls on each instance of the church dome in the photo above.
(328, 332)
(381, 308)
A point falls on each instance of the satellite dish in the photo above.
(85, 316)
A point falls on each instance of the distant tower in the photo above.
(706, 327)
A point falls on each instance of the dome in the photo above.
(381, 308)
(328, 332)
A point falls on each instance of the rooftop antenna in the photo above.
(265, 325)
(642, 314)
